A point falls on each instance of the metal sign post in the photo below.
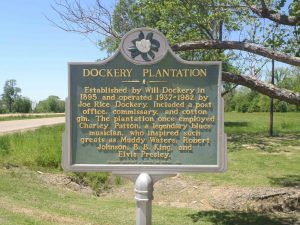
(144, 196)
(144, 114)
(144, 183)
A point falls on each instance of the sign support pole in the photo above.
(144, 196)
(144, 183)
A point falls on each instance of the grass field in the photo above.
(258, 123)
(25, 200)
(254, 160)
(242, 123)
(260, 161)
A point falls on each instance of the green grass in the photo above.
(41, 150)
(36, 149)
(254, 160)
(258, 123)
(25, 200)
(249, 166)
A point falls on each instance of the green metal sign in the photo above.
(144, 109)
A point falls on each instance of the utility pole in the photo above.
(272, 100)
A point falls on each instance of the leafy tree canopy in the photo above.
(243, 34)
(10, 93)
(51, 104)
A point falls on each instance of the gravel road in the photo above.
(23, 125)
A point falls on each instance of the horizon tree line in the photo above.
(11, 101)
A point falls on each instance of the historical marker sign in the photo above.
(144, 109)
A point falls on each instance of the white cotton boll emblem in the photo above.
(143, 45)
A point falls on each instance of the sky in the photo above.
(36, 53)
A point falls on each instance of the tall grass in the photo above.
(36, 149)
(41, 150)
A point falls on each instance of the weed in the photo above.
(49, 160)
(118, 180)
(97, 181)
(4, 145)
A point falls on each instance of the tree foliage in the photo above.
(234, 32)
(10, 94)
(22, 105)
(12, 101)
(3, 108)
(246, 100)
(51, 104)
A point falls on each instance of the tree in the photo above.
(265, 12)
(51, 104)
(22, 105)
(10, 93)
(2, 107)
(191, 26)
(249, 101)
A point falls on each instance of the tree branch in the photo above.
(263, 88)
(264, 12)
(76, 18)
(229, 90)
(248, 47)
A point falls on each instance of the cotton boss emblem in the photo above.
(144, 46)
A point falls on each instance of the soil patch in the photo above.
(183, 192)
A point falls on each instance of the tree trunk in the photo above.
(263, 88)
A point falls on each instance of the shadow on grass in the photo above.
(286, 181)
(236, 124)
(238, 218)
(262, 143)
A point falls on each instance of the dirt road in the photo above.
(23, 125)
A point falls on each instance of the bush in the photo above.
(281, 106)
(254, 107)
(242, 107)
